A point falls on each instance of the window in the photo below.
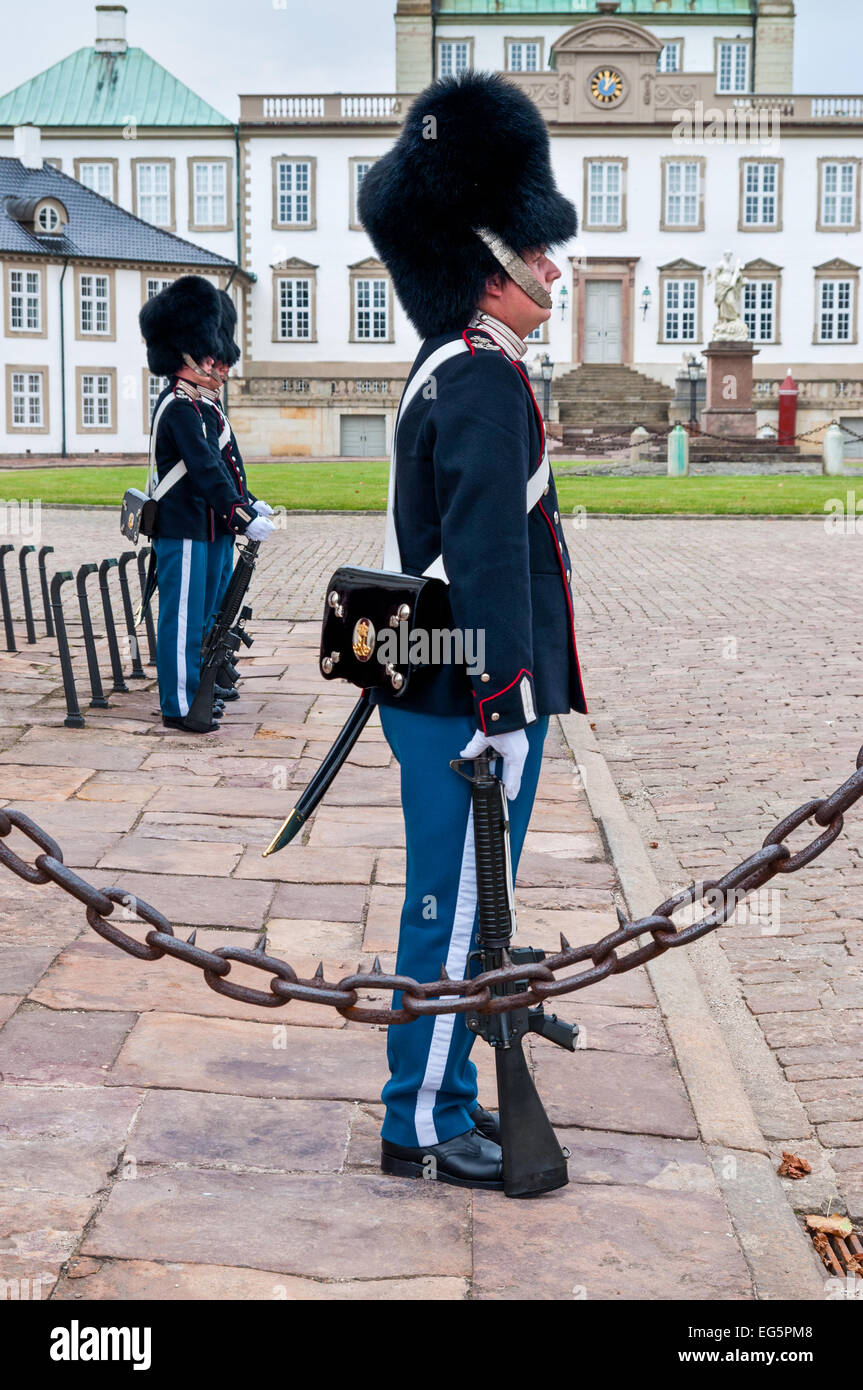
(154, 284)
(98, 176)
(732, 67)
(759, 309)
(668, 60)
(294, 312)
(454, 57)
(604, 193)
(48, 219)
(680, 302)
(155, 387)
(524, 55)
(293, 190)
(371, 309)
(835, 301)
(838, 195)
(95, 400)
(682, 201)
(208, 193)
(25, 301)
(153, 201)
(94, 304)
(359, 167)
(760, 195)
(26, 398)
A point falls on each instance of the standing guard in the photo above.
(181, 327)
(462, 210)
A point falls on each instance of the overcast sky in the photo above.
(224, 47)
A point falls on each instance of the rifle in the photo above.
(224, 638)
(533, 1161)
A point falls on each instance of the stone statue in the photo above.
(727, 277)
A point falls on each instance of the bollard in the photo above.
(110, 630)
(98, 700)
(43, 580)
(148, 616)
(25, 591)
(137, 672)
(678, 452)
(637, 441)
(833, 450)
(4, 599)
(74, 718)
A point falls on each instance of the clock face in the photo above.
(606, 86)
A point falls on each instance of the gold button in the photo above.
(485, 676)
(568, 575)
(557, 516)
(495, 716)
(545, 490)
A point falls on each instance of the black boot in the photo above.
(467, 1160)
(171, 721)
(224, 692)
(487, 1123)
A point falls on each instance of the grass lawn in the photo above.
(362, 485)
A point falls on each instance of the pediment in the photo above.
(294, 263)
(836, 266)
(620, 35)
(761, 267)
(370, 263)
(680, 266)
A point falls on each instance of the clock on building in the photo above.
(606, 86)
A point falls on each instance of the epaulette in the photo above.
(186, 388)
(479, 340)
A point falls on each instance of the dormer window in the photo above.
(48, 219)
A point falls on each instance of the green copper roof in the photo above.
(90, 88)
(577, 7)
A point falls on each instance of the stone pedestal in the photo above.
(729, 409)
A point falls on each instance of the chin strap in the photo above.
(203, 378)
(515, 267)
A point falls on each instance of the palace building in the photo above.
(675, 130)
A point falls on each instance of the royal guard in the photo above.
(463, 211)
(182, 328)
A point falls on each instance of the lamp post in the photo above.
(645, 301)
(564, 297)
(693, 367)
(546, 366)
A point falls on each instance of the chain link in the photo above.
(442, 996)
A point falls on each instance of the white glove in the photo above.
(259, 528)
(262, 508)
(513, 748)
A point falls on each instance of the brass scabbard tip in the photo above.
(278, 839)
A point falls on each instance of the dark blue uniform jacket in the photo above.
(465, 452)
(207, 494)
(215, 420)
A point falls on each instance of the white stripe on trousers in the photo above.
(182, 620)
(459, 946)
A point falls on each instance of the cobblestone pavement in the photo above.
(722, 662)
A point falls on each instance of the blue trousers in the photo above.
(223, 560)
(432, 1087)
(189, 573)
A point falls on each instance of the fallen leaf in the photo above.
(830, 1225)
(792, 1166)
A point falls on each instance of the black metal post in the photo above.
(137, 672)
(98, 700)
(143, 555)
(25, 591)
(4, 599)
(43, 580)
(693, 420)
(110, 630)
(74, 718)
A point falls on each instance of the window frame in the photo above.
(312, 162)
(146, 377)
(449, 39)
(153, 275)
(170, 162)
(30, 268)
(295, 269)
(842, 227)
(700, 161)
(354, 223)
(537, 39)
(108, 274)
(589, 226)
(40, 369)
(742, 224)
(671, 72)
(678, 271)
(370, 269)
(836, 273)
(191, 163)
(736, 42)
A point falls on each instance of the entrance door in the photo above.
(363, 436)
(602, 312)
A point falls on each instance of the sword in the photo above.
(291, 826)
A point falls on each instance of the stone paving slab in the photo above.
(62, 1141)
(146, 1279)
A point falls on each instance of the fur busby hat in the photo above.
(228, 352)
(184, 319)
(473, 154)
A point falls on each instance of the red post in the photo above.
(787, 410)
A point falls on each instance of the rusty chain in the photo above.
(441, 996)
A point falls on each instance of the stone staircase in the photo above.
(604, 396)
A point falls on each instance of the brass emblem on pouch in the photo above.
(363, 640)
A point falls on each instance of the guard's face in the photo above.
(507, 301)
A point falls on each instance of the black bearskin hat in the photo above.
(185, 317)
(228, 352)
(474, 152)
